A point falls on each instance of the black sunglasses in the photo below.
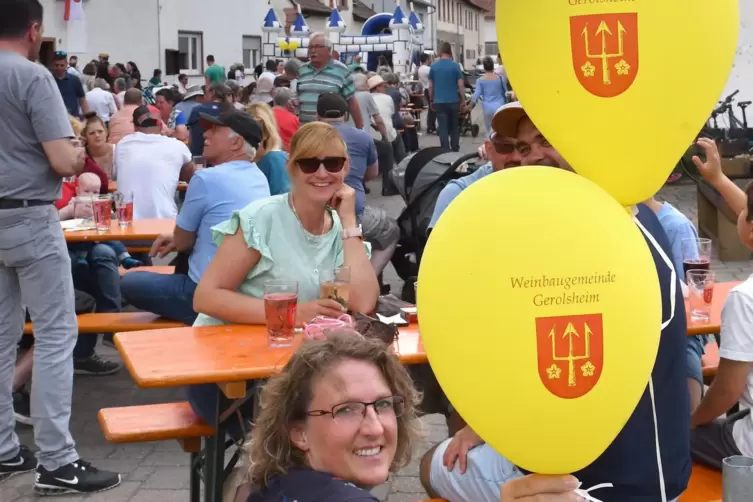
(331, 164)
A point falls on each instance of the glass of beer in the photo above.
(696, 255)
(124, 209)
(701, 293)
(102, 210)
(334, 284)
(280, 306)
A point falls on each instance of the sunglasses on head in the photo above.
(61, 53)
(331, 164)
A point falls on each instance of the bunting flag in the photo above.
(76, 40)
(74, 10)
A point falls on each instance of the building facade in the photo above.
(461, 24)
(172, 35)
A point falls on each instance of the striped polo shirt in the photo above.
(335, 77)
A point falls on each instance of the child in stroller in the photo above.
(466, 123)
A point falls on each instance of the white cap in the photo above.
(506, 119)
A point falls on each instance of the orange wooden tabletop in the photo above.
(140, 230)
(713, 325)
(217, 354)
(113, 186)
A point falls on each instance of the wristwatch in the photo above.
(348, 233)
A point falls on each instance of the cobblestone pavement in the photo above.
(157, 472)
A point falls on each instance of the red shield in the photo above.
(570, 353)
(605, 52)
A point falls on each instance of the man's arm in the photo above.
(736, 360)
(81, 95)
(355, 112)
(187, 171)
(372, 160)
(188, 220)
(49, 120)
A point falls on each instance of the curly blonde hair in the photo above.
(285, 399)
(270, 134)
(77, 126)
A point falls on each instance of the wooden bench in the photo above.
(118, 322)
(155, 422)
(164, 269)
(718, 222)
(159, 422)
(705, 485)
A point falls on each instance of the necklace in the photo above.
(312, 239)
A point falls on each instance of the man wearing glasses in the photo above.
(630, 462)
(500, 150)
(323, 74)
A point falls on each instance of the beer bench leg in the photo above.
(215, 457)
(195, 478)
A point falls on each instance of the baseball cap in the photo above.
(145, 116)
(238, 121)
(331, 106)
(506, 119)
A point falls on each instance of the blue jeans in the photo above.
(448, 118)
(169, 296)
(103, 283)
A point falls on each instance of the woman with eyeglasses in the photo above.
(339, 418)
(291, 236)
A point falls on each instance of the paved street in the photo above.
(157, 472)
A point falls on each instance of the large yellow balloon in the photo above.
(540, 312)
(621, 89)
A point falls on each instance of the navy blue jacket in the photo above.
(305, 485)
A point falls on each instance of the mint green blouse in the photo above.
(287, 250)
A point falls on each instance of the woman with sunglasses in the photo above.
(291, 236)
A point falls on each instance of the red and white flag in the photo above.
(75, 27)
(74, 10)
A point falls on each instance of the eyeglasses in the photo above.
(355, 411)
(331, 164)
(315, 47)
(503, 146)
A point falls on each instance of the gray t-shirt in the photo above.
(368, 109)
(31, 112)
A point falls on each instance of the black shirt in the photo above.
(630, 461)
(305, 485)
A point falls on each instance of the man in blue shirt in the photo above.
(377, 226)
(630, 462)
(446, 97)
(70, 86)
(215, 96)
(213, 194)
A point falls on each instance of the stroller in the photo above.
(465, 122)
(419, 179)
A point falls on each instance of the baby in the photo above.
(89, 185)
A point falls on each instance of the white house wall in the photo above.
(125, 30)
(134, 31)
(741, 77)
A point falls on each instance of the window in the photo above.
(191, 50)
(490, 48)
(251, 51)
(477, 16)
(452, 18)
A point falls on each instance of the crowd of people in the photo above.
(291, 152)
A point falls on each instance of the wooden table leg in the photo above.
(214, 465)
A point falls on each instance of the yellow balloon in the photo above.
(621, 89)
(540, 312)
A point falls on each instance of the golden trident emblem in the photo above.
(570, 357)
(622, 67)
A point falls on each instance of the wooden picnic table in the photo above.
(221, 354)
(113, 187)
(714, 324)
(140, 230)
